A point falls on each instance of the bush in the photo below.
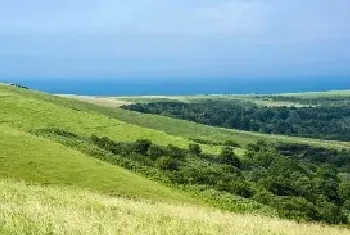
(295, 208)
(167, 163)
(142, 146)
(331, 213)
(228, 157)
(155, 152)
(194, 149)
(175, 152)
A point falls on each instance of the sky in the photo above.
(182, 39)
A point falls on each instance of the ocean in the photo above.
(146, 87)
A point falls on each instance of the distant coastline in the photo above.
(182, 87)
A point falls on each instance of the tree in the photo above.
(176, 152)
(194, 149)
(142, 146)
(167, 163)
(155, 152)
(344, 191)
(228, 157)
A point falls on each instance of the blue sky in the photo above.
(174, 39)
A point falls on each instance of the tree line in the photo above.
(321, 122)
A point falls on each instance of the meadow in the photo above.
(47, 187)
(192, 130)
(28, 110)
(34, 209)
(159, 129)
(331, 93)
(37, 160)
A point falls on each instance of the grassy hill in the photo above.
(64, 190)
(126, 125)
(192, 130)
(32, 210)
(28, 110)
(37, 160)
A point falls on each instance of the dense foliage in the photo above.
(322, 122)
(288, 178)
(317, 155)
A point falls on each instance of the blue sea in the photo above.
(144, 87)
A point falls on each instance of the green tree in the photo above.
(167, 163)
(155, 152)
(194, 149)
(142, 146)
(228, 157)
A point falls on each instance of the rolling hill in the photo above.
(28, 110)
(192, 130)
(47, 187)
(36, 160)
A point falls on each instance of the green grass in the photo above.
(32, 110)
(32, 210)
(103, 101)
(326, 94)
(27, 157)
(191, 130)
(188, 129)
(29, 110)
(259, 99)
(77, 198)
(149, 99)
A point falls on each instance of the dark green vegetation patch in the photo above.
(329, 121)
(288, 178)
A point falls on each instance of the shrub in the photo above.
(142, 146)
(194, 149)
(167, 163)
(228, 157)
(155, 152)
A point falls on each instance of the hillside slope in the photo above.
(126, 125)
(29, 110)
(192, 130)
(57, 210)
(37, 160)
(33, 210)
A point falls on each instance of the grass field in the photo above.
(259, 99)
(26, 157)
(188, 130)
(32, 210)
(67, 192)
(104, 101)
(148, 99)
(331, 93)
(194, 130)
(126, 125)
(28, 110)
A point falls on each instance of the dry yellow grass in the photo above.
(33, 210)
(102, 101)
